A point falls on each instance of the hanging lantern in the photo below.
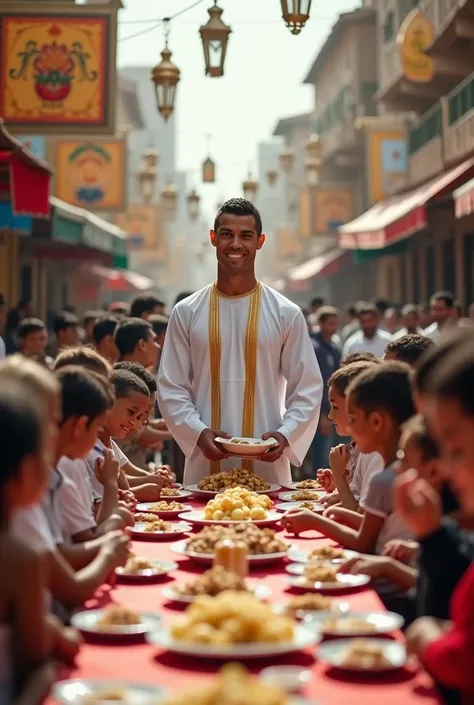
(313, 168)
(314, 147)
(169, 196)
(147, 174)
(295, 13)
(250, 188)
(208, 171)
(286, 160)
(165, 76)
(214, 36)
(193, 204)
(272, 176)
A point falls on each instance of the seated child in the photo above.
(409, 348)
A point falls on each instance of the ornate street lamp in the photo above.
(193, 204)
(147, 174)
(208, 171)
(250, 188)
(295, 13)
(165, 76)
(272, 176)
(286, 160)
(169, 196)
(215, 35)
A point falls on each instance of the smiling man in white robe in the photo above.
(238, 361)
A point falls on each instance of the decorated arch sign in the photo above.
(57, 72)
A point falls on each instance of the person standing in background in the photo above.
(370, 338)
(145, 305)
(443, 312)
(352, 325)
(411, 322)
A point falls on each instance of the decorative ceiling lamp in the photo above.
(148, 174)
(169, 197)
(286, 160)
(250, 188)
(295, 13)
(272, 176)
(314, 160)
(165, 76)
(215, 35)
(193, 204)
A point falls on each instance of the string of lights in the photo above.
(164, 20)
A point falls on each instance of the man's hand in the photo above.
(373, 566)
(277, 451)
(298, 520)
(338, 459)
(418, 504)
(403, 551)
(326, 480)
(107, 468)
(422, 633)
(208, 447)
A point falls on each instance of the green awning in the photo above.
(398, 248)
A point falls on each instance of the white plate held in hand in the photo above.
(250, 446)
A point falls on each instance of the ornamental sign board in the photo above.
(415, 36)
(57, 68)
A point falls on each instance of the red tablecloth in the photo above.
(150, 664)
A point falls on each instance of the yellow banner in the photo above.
(145, 234)
(415, 35)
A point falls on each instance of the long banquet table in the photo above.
(144, 663)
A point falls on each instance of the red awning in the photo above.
(28, 180)
(121, 280)
(464, 199)
(402, 215)
(320, 266)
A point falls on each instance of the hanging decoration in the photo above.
(193, 204)
(208, 166)
(169, 197)
(295, 13)
(215, 35)
(250, 187)
(314, 161)
(148, 174)
(286, 160)
(272, 176)
(166, 77)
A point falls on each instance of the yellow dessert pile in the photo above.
(238, 504)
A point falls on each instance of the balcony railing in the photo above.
(428, 127)
(459, 136)
(437, 11)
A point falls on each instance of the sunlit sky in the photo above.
(263, 78)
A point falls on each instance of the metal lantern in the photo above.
(313, 168)
(295, 13)
(250, 188)
(208, 171)
(272, 176)
(215, 35)
(165, 76)
(169, 196)
(148, 174)
(193, 204)
(314, 147)
(286, 160)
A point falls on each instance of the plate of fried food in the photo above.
(116, 621)
(163, 509)
(301, 496)
(311, 506)
(174, 493)
(232, 625)
(242, 447)
(312, 603)
(98, 692)
(263, 545)
(364, 655)
(159, 528)
(331, 554)
(323, 577)
(304, 485)
(213, 582)
(139, 568)
(235, 504)
(238, 477)
(355, 624)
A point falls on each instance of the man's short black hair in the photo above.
(144, 303)
(138, 370)
(64, 321)
(350, 309)
(128, 334)
(362, 356)
(103, 327)
(385, 388)
(445, 296)
(409, 348)
(90, 316)
(241, 207)
(125, 382)
(159, 323)
(317, 301)
(381, 304)
(30, 325)
(83, 393)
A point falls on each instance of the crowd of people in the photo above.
(394, 451)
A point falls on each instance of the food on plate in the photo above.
(166, 507)
(237, 504)
(112, 695)
(232, 617)
(118, 615)
(234, 478)
(135, 565)
(233, 684)
(259, 541)
(309, 602)
(143, 517)
(170, 492)
(303, 495)
(242, 441)
(213, 582)
(330, 552)
(158, 525)
(360, 654)
(348, 625)
(308, 505)
(320, 573)
(308, 485)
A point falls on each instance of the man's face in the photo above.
(127, 414)
(411, 321)
(69, 336)
(150, 350)
(35, 343)
(236, 242)
(440, 311)
(329, 326)
(368, 324)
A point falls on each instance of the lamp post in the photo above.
(250, 188)
(193, 205)
(166, 77)
(147, 174)
(295, 13)
(215, 36)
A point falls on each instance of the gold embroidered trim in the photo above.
(251, 349)
(215, 359)
(238, 296)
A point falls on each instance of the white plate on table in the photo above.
(145, 508)
(208, 558)
(261, 592)
(288, 496)
(288, 506)
(294, 486)
(337, 608)
(333, 653)
(303, 638)
(210, 494)
(377, 623)
(197, 517)
(178, 529)
(182, 494)
(87, 622)
(73, 692)
(343, 582)
(252, 446)
(301, 558)
(158, 570)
